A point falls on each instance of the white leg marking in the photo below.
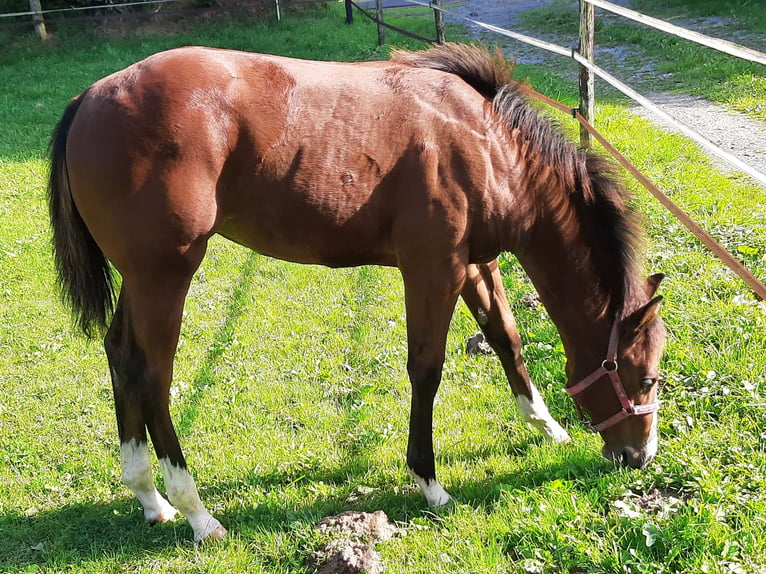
(182, 492)
(137, 476)
(432, 490)
(535, 413)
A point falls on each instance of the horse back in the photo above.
(316, 162)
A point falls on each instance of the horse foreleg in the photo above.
(484, 294)
(430, 301)
(150, 320)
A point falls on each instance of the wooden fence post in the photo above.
(381, 29)
(349, 12)
(37, 19)
(587, 77)
(439, 20)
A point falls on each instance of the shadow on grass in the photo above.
(405, 501)
(81, 534)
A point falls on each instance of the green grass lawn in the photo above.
(291, 396)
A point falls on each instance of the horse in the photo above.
(431, 162)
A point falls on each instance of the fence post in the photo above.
(587, 77)
(439, 20)
(349, 12)
(37, 19)
(381, 29)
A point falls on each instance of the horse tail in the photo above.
(84, 274)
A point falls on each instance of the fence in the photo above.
(117, 11)
(585, 56)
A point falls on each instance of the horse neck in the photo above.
(559, 263)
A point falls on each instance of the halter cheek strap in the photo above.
(609, 368)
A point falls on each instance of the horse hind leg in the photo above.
(484, 294)
(141, 347)
(134, 454)
(430, 297)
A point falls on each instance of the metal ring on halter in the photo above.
(605, 365)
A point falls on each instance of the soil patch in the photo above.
(352, 551)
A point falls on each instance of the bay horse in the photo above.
(430, 162)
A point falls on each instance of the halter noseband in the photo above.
(609, 368)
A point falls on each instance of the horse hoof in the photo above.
(214, 533)
(445, 506)
(557, 435)
(165, 514)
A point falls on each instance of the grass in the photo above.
(291, 396)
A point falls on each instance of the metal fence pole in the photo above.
(587, 77)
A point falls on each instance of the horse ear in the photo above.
(652, 283)
(643, 317)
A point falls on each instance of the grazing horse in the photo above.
(431, 163)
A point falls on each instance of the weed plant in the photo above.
(291, 396)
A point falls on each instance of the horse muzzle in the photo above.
(628, 456)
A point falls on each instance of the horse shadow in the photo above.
(76, 534)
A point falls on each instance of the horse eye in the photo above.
(648, 383)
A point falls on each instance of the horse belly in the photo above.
(333, 227)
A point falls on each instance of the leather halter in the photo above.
(609, 368)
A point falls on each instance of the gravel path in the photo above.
(736, 133)
(740, 135)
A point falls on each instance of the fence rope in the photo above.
(85, 8)
(685, 129)
(123, 16)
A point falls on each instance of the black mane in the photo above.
(597, 199)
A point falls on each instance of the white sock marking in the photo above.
(535, 413)
(182, 492)
(432, 490)
(137, 476)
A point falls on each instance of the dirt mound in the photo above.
(353, 552)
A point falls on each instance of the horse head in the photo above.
(621, 394)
